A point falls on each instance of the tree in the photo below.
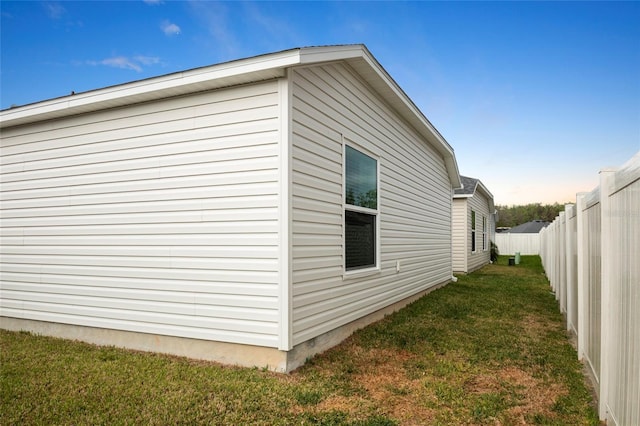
(510, 216)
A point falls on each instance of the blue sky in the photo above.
(534, 97)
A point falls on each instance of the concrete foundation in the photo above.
(222, 352)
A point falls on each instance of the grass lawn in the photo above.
(489, 349)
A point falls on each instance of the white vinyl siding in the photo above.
(460, 233)
(465, 259)
(330, 102)
(159, 217)
(478, 258)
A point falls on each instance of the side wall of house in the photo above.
(482, 255)
(330, 103)
(459, 234)
(157, 218)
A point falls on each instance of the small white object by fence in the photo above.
(525, 244)
(591, 254)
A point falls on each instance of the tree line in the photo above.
(510, 216)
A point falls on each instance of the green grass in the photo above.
(489, 349)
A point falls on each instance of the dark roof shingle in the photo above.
(532, 227)
(469, 186)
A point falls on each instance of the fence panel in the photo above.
(561, 257)
(591, 255)
(622, 269)
(525, 244)
(589, 279)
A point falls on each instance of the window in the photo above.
(473, 231)
(484, 233)
(361, 210)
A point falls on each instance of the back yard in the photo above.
(489, 349)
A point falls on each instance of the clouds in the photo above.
(229, 30)
(134, 63)
(169, 29)
(215, 18)
(54, 10)
(137, 63)
(60, 17)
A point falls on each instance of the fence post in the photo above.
(606, 351)
(570, 262)
(562, 259)
(542, 249)
(551, 247)
(582, 253)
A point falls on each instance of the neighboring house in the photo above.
(523, 239)
(473, 225)
(533, 227)
(254, 212)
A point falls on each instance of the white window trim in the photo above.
(375, 269)
(485, 246)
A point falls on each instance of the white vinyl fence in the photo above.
(591, 254)
(525, 244)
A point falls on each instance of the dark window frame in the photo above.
(473, 231)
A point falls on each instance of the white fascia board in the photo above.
(487, 194)
(314, 55)
(423, 125)
(199, 79)
(236, 72)
(484, 189)
(479, 185)
(454, 173)
(399, 100)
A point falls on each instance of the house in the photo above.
(473, 225)
(254, 212)
(532, 227)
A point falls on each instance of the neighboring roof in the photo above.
(257, 68)
(532, 227)
(470, 186)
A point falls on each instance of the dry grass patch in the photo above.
(532, 397)
(387, 384)
(379, 385)
(536, 326)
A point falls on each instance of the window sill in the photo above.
(360, 273)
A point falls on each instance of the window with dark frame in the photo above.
(361, 210)
(473, 231)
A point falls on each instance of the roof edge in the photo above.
(478, 186)
(241, 71)
(406, 106)
(174, 84)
